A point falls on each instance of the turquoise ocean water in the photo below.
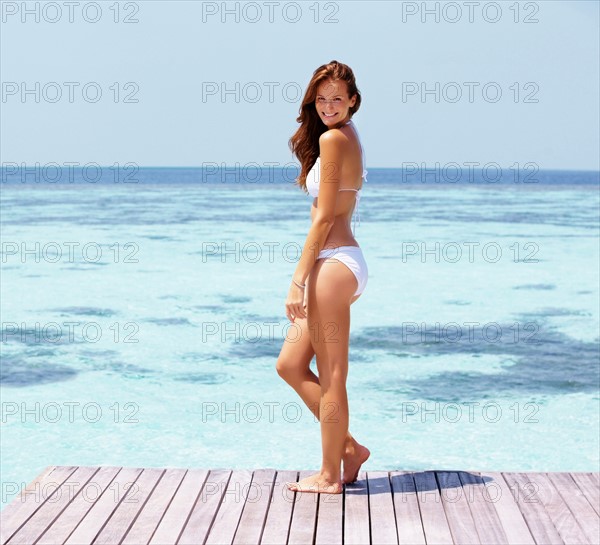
(141, 323)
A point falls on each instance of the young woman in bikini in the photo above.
(331, 273)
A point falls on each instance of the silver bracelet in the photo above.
(299, 285)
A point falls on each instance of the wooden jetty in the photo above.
(105, 505)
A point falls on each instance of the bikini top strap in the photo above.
(364, 175)
(364, 158)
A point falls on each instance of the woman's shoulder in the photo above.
(332, 138)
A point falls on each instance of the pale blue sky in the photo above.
(170, 53)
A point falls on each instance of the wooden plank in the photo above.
(488, 525)
(256, 507)
(279, 516)
(304, 515)
(357, 530)
(525, 493)
(206, 507)
(499, 495)
(329, 529)
(458, 513)
(42, 519)
(31, 498)
(62, 528)
(406, 507)
(435, 525)
(175, 518)
(230, 510)
(589, 488)
(558, 511)
(104, 507)
(10, 521)
(381, 508)
(154, 509)
(583, 512)
(128, 509)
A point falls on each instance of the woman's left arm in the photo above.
(331, 145)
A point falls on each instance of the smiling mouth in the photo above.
(329, 115)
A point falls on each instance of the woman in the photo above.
(331, 273)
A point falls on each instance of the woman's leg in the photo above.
(293, 366)
(329, 297)
(293, 363)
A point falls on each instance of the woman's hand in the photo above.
(294, 304)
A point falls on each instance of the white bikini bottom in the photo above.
(353, 258)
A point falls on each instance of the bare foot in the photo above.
(316, 483)
(354, 457)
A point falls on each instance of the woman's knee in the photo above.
(288, 368)
(282, 367)
(333, 369)
(338, 370)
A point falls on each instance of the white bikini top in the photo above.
(314, 176)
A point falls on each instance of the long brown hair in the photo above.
(305, 141)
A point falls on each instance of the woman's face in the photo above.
(332, 102)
